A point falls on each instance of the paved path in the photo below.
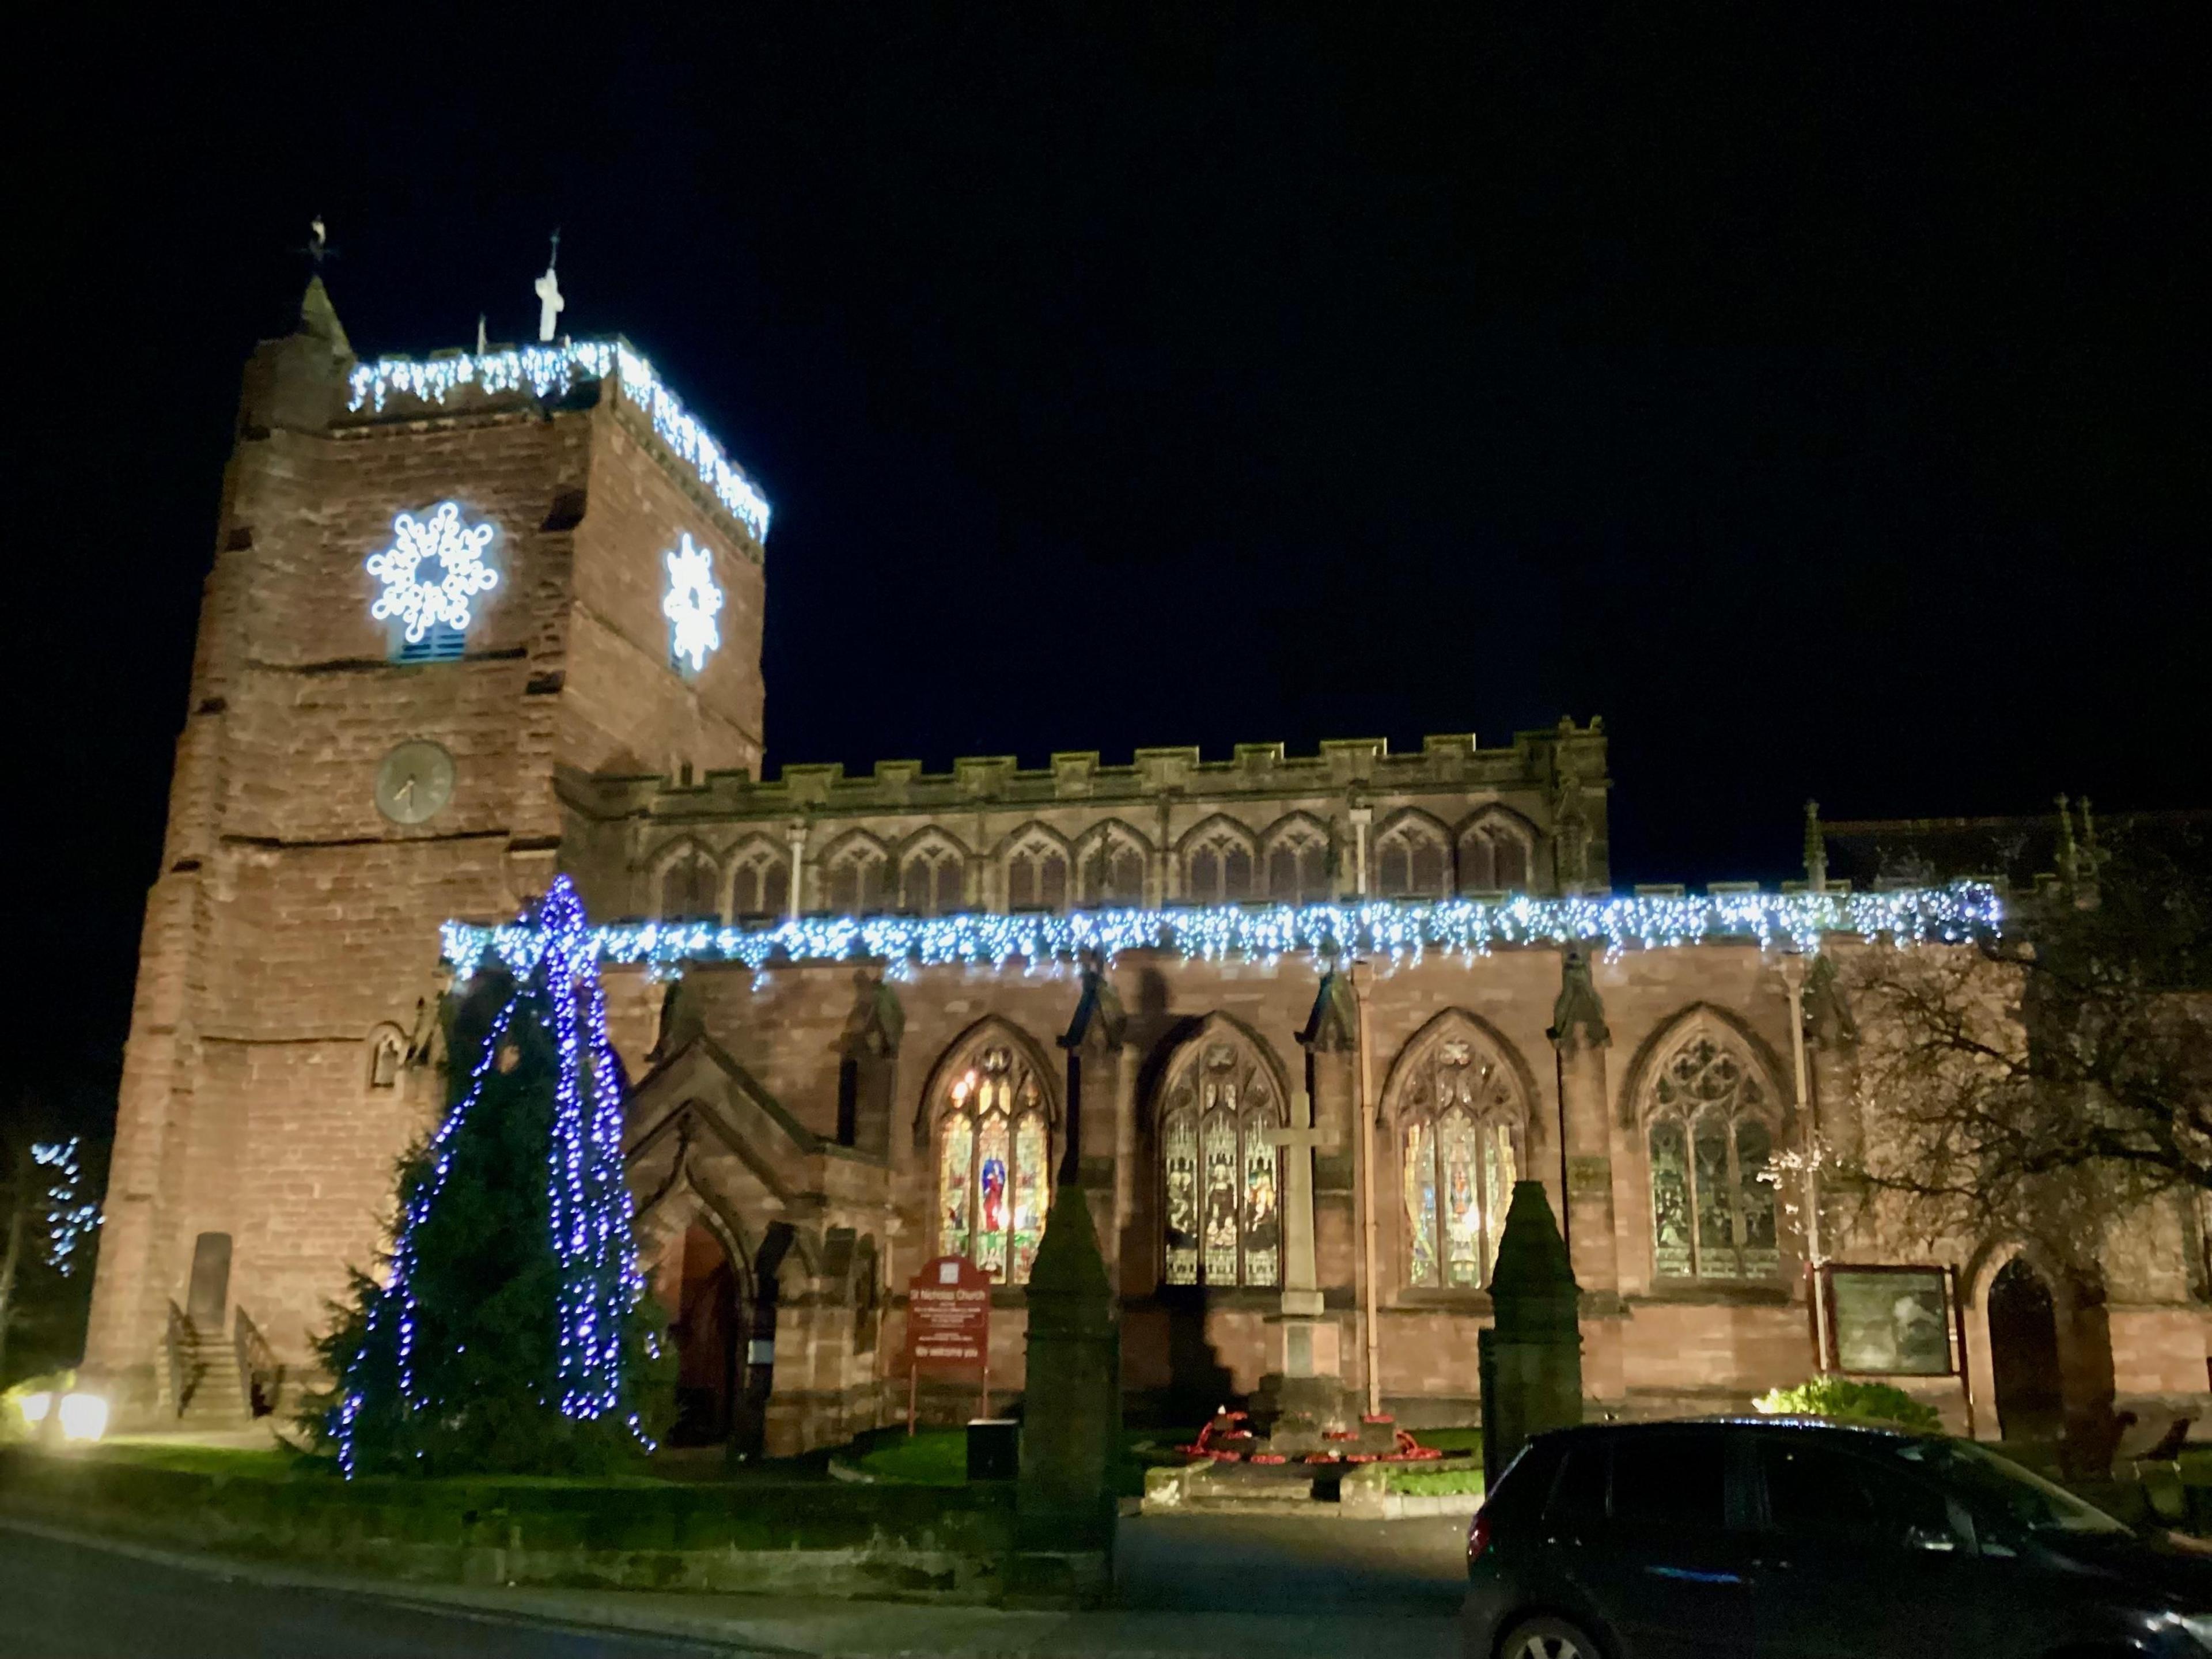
(67, 1601)
(1239, 1588)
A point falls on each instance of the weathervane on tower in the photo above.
(550, 301)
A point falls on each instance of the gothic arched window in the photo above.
(1710, 1137)
(1110, 863)
(934, 880)
(1296, 863)
(1462, 1123)
(854, 877)
(1409, 861)
(1217, 865)
(1220, 1165)
(1493, 857)
(993, 1156)
(1036, 873)
(687, 886)
(760, 880)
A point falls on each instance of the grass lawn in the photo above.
(1417, 1482)
(249, 1462)
(938, 1457)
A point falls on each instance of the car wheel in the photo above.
(1548, 1639)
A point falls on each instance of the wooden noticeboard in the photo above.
(948, 1324)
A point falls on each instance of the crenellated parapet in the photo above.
(1353, 819)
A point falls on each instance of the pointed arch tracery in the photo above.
(1496, 853)
(1037, 866)
(932, 874)
(1294, 861)
(1221, 1103)
(992, 1115)
(686, 882)
(1220, 858)
(1110, 861)
(1460, 1103)
(856, 878)
(1412, 857)
(760, 878)
(1711, 1123)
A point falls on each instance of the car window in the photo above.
(1579, 1492)
(1823, 1495)
(1996, 1485)
(1674, 1482)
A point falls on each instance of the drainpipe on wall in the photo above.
(1363, 978)
(1792, 981)
(792, 897)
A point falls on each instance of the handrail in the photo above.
(260, 1378)
(182, 1346)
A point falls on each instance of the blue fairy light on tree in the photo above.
(510, 1333)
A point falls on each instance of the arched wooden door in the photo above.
(2024, 1354)
(708, 1333)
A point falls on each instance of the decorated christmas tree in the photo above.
(510, 1333)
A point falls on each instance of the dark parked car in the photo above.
(1790, 1539)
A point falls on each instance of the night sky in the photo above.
(1821, 401)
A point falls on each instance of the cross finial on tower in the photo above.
(318, 240)
(549, 303)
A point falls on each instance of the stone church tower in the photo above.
(341, 787)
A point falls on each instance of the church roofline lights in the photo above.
(1398, 930)
(549, 371)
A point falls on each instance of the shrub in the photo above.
(1852, 1401)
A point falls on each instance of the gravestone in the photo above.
(1532, 1357)
(1064, 1502)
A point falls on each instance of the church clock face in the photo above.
(415, 781)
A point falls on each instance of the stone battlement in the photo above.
(1349, 766)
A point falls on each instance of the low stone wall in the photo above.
(938, 1544)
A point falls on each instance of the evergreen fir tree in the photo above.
(511, 1334)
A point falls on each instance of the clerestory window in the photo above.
(687, 887)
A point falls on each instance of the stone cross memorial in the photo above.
(1309, 1398)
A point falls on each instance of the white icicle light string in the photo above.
(548, 371)
(1400, 930)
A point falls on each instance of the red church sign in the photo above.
(948, 1323)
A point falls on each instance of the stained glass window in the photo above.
(952, 1184)
(994, 1153)
(1712, 1204)
(1263, 1226)
(1462, 1198)
(1030, 1193)
(1670, 1199)
(1221, 1170)
(1461, 1110)
(1421, 1202)
(995, 1161)
(1219, 1135)
(1180, 1157)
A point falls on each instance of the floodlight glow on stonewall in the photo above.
(1397, 931)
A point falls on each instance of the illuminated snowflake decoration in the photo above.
(422, 600)
(693, 602)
